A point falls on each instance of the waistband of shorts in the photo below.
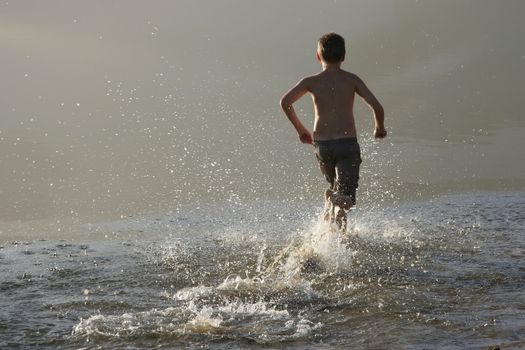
(335, 141)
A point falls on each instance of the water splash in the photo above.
(454, 273)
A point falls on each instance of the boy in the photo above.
(334, 132)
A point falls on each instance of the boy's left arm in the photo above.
(287, 102)
(379, 113)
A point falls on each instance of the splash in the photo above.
(234, 283)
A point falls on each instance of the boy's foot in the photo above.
(327, 194)
(341, 219)
(328, 207)
(342, 201)
(343, 204)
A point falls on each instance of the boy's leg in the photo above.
(341, 219)
(339, 161)
(347, 177)
(328, 207)
(329, 172)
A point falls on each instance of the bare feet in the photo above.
(342, 201)
(328, 211)
(327, 194)
(341, 219)
(336, 207)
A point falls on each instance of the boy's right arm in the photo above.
(287, 101)
(379, 113)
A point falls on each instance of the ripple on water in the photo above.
(424, 273)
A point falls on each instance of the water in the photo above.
(439, 273)
(153, 195)
(110, 117)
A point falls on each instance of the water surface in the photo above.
(152, 194)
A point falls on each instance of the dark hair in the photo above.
(331, 48)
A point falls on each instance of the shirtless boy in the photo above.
(334, 132)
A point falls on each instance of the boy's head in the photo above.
(331, 48)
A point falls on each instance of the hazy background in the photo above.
(111, 108)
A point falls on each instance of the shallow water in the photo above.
(165, 114)
(442, 273)
(119, 110)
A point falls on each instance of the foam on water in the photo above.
(283, 273)
(431, 277)
(259, 320)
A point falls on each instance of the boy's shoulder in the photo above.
(349, 75)
(321, 76)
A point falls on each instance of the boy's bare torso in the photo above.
(333, 94)
(333, 91)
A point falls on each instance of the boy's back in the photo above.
(333, 97)
(333, 92)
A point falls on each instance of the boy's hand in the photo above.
(305, 136)
(380, 132)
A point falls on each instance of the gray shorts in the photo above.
(339, 161)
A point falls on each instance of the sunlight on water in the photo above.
(403, 264)
(449, 265)
(153, 195)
